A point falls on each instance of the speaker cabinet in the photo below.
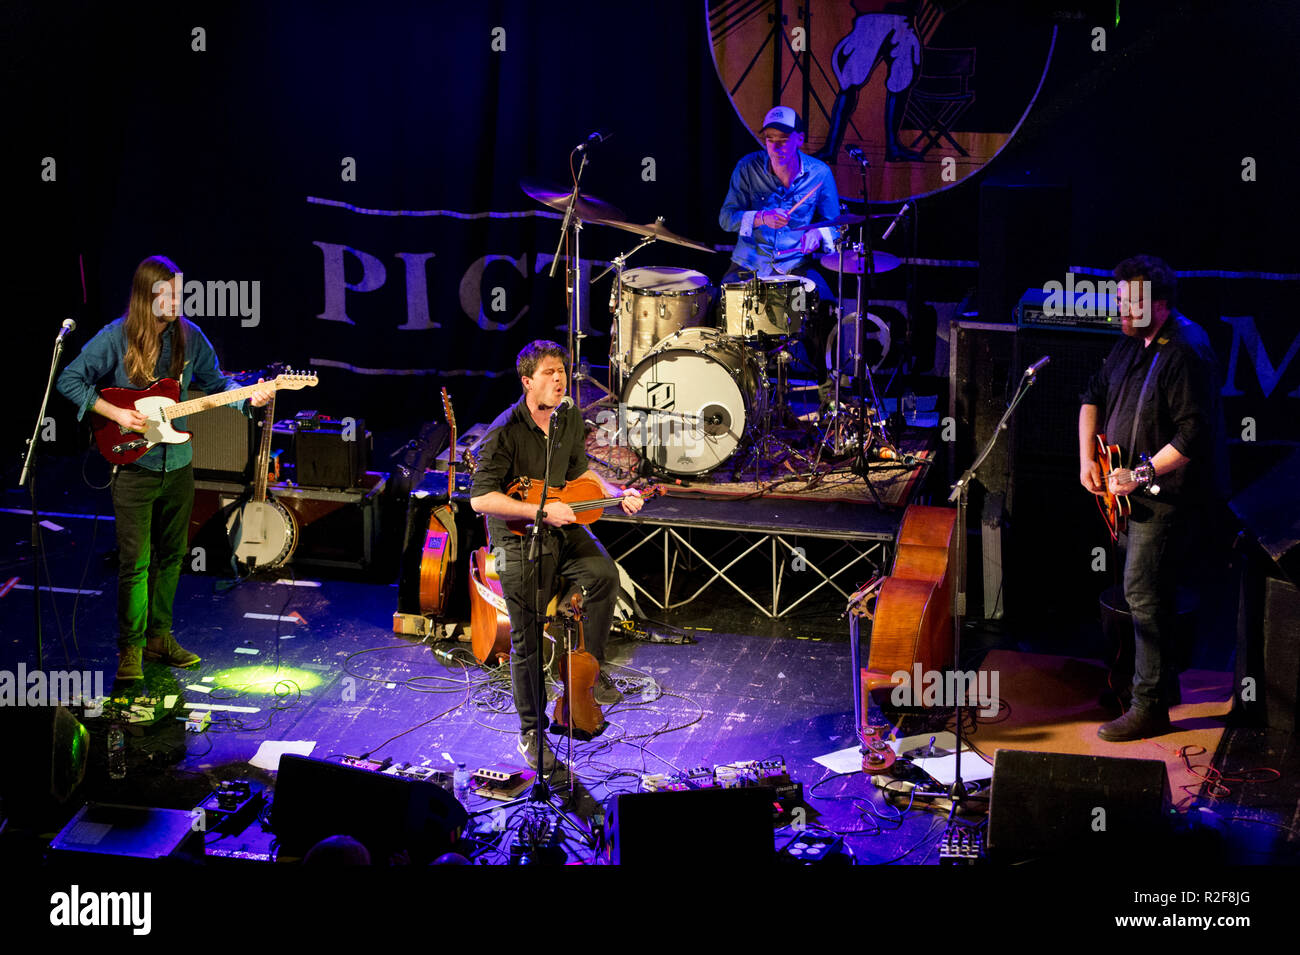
(1268, 649)
(1065, 807)
(726, 826)
(224, 443)
(315, 799)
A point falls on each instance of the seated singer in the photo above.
(764, 205)
(515, 447)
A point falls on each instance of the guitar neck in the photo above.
(264, 452)
(183, 408)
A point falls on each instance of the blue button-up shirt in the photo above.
(755, 188)
(102, 363)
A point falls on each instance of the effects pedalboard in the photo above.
(495, 782)
(771, 772)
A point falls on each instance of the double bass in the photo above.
(912, 619)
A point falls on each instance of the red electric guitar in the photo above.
(160, 406)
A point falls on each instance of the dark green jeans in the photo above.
(152, 511)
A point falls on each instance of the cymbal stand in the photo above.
(573, 281)
(861, 369)
(616, 328)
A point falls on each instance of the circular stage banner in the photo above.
(930, 92)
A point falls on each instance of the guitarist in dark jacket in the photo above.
(1156, 397)
(515, 447)
(152, 497)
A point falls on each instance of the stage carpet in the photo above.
(1049, 704)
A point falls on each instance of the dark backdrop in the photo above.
(211, 157)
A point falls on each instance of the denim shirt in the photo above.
(755, 188)
(102, 363)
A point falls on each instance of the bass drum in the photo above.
(690, 400)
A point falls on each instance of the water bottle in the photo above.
(460, 783)
(116, 753)
(909, 406)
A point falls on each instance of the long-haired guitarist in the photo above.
(1156, 398)
(515, 447)
(152, 497)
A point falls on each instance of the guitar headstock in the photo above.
(295, 381)
(451, 416)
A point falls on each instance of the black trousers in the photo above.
(152, 514)
(575, 554)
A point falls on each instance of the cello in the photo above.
(576, 711)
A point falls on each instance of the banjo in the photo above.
(263, 532)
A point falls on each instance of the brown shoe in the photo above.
(129, 668)
(1135, 724)
(167, 650)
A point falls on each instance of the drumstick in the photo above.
(806, 196)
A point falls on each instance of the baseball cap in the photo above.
(782, 118)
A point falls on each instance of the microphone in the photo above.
(599, 136)
(1037, 366)
(897, 219)
(68, 326)
(856, 153)
(565, 402)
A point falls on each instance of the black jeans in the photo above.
(152, 513)
(1155, 546)
(580, 558)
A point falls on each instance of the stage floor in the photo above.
(314, 660)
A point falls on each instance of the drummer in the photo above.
(764, 205)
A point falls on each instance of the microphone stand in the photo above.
(28, 479)
(541, 792)
(959, 494)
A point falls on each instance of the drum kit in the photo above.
(697, 370)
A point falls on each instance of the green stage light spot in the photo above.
(269, 680)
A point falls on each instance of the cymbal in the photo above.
(847, 218)
(661, 231)
(855, 263)
(588, 208)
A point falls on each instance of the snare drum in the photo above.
(689, 401)
(775, 306)
(654, 303)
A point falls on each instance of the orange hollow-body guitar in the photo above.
(1115, 508)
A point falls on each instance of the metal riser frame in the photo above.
(860, 553)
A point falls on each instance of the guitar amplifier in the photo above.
(224, 443)
(334, 454)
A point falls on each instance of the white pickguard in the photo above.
(156, 430)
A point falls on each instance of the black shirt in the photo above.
(515, 447)
(1175, 378)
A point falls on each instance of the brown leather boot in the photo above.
(167, 650)
(129, 668)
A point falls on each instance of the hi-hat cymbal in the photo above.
(588, 208)
(661, 231)
(855, 263)
(847, 218)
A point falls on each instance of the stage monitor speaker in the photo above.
(333, 455)
(727, 826)
(315, 799)
(224, 443)
(1067, 808)
(1024, 242)
(52, 748)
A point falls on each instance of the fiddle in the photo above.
(583, 495)
(576, 711)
